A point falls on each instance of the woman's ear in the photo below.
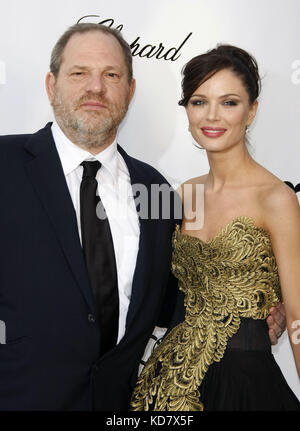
(252, 112)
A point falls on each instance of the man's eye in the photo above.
(77, 74)
(112, 75)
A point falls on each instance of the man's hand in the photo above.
(276, 322)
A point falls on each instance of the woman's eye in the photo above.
(198, 102)
(230, 103)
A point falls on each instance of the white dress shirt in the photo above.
(115, 190)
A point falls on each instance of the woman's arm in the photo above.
(283, 223)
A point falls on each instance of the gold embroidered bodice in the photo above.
(233, 276)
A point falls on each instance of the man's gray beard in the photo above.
(79, 130)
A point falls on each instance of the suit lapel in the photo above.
(46, 175)
(148, 232)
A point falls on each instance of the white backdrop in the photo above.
(155, 129)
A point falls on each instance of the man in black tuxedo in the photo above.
(80, 293)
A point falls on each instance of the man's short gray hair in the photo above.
(57, 52)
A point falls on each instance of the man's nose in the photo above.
(96, 84)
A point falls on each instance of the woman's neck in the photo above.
(230, 168)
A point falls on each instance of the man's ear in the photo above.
(132, 89)
(50, 85)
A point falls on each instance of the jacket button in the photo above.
(91, 318)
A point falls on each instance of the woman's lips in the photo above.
(213, 132)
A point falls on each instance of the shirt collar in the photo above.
(71, 156)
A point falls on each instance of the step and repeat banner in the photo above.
(164, 35)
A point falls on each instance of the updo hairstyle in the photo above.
(202, 67)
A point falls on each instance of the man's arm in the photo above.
(169, 303)
(276, 322)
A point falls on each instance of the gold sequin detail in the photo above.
(232, 276)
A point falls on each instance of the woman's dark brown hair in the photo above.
(199, 69)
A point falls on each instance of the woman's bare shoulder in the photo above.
(191, 182)
(278, 196)
(196, 180)
(273, 192)
(280, 208)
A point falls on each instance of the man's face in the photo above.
(91, 94)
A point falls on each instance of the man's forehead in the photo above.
(93, 40)
(93, 45)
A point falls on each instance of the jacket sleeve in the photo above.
(172, 311)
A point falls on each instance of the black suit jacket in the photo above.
(51, 359)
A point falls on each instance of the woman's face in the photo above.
(219, 111)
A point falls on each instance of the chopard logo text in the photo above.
(157, 51)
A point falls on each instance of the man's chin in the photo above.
(90, 131)
(92, 125)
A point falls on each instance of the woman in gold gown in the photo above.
(242, 260)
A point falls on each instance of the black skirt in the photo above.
(248, 377)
